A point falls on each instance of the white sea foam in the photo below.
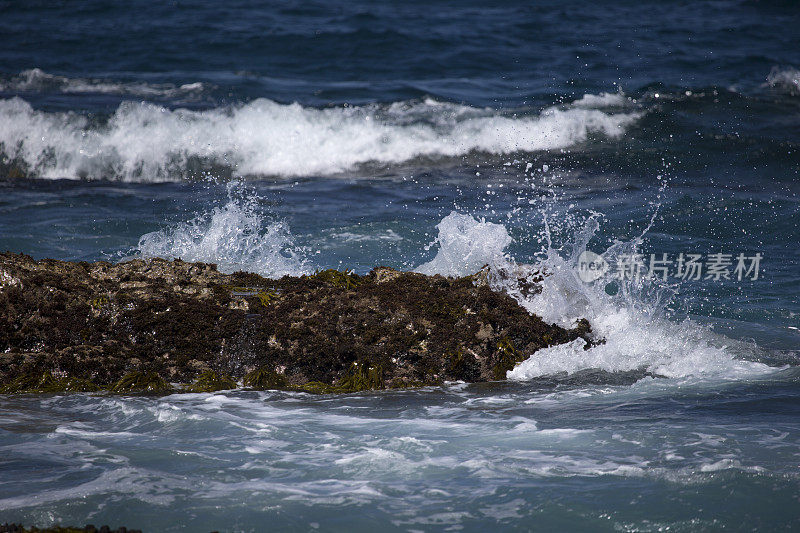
(145, 142)
(637, 333)
(236, 236)
(787, 79)
(599, 101)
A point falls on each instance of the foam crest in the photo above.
(145, 142)
(599, 101)
(236, 236)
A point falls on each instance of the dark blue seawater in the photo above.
(436, 136)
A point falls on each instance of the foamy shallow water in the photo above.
(552, 454)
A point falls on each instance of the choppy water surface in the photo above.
(554, 454)
(282, 139)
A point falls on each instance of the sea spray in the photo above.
(636, 330)
(466, 245)
(637, 333)
(786, 80)
(236, 236)
(633, 323)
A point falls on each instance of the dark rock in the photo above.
(141, 325)
(18, 528)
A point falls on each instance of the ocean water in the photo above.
(440, 137)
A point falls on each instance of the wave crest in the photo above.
(145, 142)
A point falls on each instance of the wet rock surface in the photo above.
(144, 325)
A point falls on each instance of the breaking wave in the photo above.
(146, 142)
(602, 100)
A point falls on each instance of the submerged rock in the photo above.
(144, 325)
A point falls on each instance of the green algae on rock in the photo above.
(45, 382)
(142, 325)
(210, 381)
(141, 382)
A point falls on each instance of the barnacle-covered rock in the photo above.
(142, 325)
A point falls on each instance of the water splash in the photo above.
(637, 331)
(236, 236)
(466, 245)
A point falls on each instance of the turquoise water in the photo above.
(299, 136)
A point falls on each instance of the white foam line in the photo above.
(145, 142)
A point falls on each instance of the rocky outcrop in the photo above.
(147, 325)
